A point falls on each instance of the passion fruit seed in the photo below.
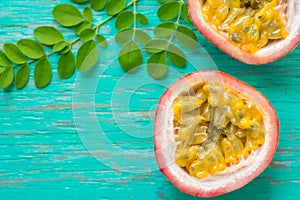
(248, 24)
(215, 128)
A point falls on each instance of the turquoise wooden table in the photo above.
(91, 136)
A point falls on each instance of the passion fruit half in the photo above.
(252, 31)
(213, 133)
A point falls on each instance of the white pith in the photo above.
(271, 52)
(234, 176)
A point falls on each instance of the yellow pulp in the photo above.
(248, 24)
(214, 128)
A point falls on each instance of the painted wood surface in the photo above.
(91, 136)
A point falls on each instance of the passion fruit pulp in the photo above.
(252, 31)
(213, 133)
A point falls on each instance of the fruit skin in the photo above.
(267, 54)
(236, 177)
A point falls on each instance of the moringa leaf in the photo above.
(22, 76)
(164, 29)
(124, 36)
(185, 13)
(142, 18)
(87, 56)
(6, 77)
(66, 50)
(177, 56)
(67, 15)
(48, 35)
(101, 40)
(87, 34)
(4, 61)
(2, 69)
(187, 37)
(66, 65)
(130, 56)
(79, 1)
(156, 45)
(124, 20)
(168, 11)
(82, 26)
(42, 73)
(87, 13)
(31, 48)
(114, 7)
(60, 46)
(13, 53)
(142, 37)
(157, 65)
(98, 4)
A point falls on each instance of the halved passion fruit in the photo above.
(252, 31)
(213, 133)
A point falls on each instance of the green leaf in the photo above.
(130, 56)
(98, 4)
(124, 20)
(79, 1)
(177, 56)
(185, 13)
(157, 65)
(6, 77)
(101, 40)
(2, 69)
(22, 76)
(42, 73)
(31, 48)
(142, 37)
(48, 35)
(142, 18)
(87, 34)
(187, 37)
(87, 56)
(4, 61)
(113, 7)
(164, 29)
(87, 13)
(82, 26)
(66, 65)
(60, 46)
(66, 50)
(168, 11)
(156, 45)
(67, 15)
(124, 36)
(14, 54)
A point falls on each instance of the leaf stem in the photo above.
(134, 18)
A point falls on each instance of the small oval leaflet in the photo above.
(66, 65)
(31, 48)
(142, 18)
(185, 13)
(48, 35)
(87, 13)
(22, 76)
(101, 40)
(130, 56)
(42, 73)
(82, 26)
(124, 20)
(142, 37)
(156, 45)
(4, 61)
(187, 37)
(164, 29)
(14, 54)
(177, 56)
(87, 34)
(157, 65)
(87, 56)
(6, 77)
(79, 1)
(60, 46)
(67, 15)
(113, 7)
(124, 36)
(98, 4)
(168, 11)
